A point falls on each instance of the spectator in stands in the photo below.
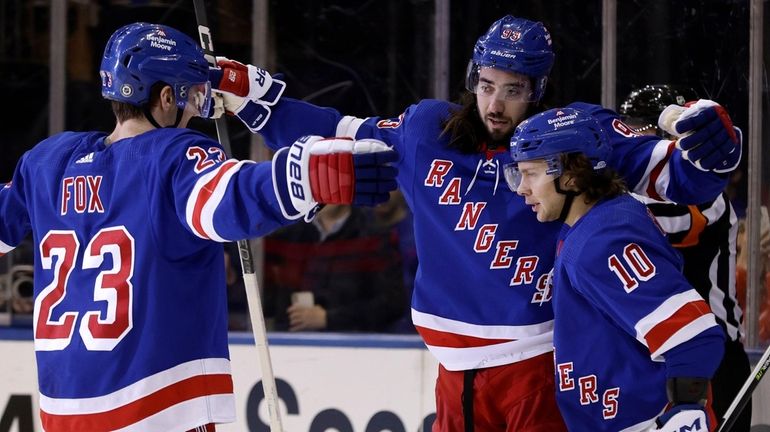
(352, 269)
(705, 236)
(396, 216)
(741, 271)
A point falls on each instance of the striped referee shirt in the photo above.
(705, 235)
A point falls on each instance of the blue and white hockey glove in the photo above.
(248, 91)
(316, 170)
(689, 417)
(707, 137)
(688, 396)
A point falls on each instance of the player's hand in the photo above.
(245, 81)
(708, 138)
(689, 417)
(248, 91)
(216, 106)
(303, 318)
(316, 170)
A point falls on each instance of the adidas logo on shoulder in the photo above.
(86, 159)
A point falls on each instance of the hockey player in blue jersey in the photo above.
(481, 302)
(634, 343)
(130, 308)
(705, 234)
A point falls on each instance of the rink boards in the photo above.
(325, 382)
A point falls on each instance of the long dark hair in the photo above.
(596, 185)
(466, 130)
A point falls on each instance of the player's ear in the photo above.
(568, 182)
(167, 97)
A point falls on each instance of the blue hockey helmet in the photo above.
(555, 132)
(139, 55)
(514, 45)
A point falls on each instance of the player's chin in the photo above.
(544, 216)
(499, 132)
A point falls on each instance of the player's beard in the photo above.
(498, 136)
(496, 130)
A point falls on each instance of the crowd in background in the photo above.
(358, 264)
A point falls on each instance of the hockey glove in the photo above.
(248, 91)
(316, 170)
(689, 417)
(706, 134)
(688, 396)
(216, 105)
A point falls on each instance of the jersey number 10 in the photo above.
(638, 261)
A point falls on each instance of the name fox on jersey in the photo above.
(81, 193)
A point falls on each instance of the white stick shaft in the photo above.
(249, 277)
(743, 397)
(260, 339)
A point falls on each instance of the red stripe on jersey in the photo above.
(655, 173)
(204, 194)
(686, 314)
(190, 388)
(452, 340)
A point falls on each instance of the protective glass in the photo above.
(514, 177)
(518, 91)
(198, 96)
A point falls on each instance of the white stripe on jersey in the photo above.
(348, 126)
(447, 325)
(183, 416)
(4, 248)
(458, 359)
(666, 309)
(137, 390)
(682, 222)
(659, 153)
(684, 334)
(504, 344)
(717, 209)
(205, 215)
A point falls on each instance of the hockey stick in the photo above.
(744, 396)
(249, 276)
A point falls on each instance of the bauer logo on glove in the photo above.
(316, 170)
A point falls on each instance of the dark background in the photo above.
(374, 57)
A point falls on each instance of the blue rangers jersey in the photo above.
(130, 318)
(621, 303)
(480, 295)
